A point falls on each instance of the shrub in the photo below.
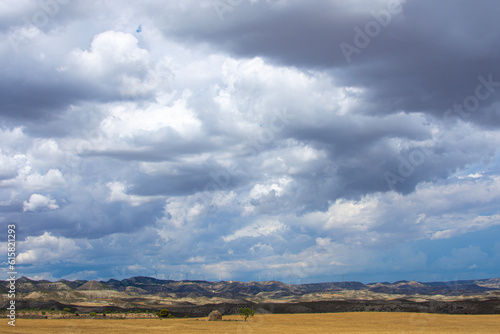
(164, 313)
(93, 314)
(43, 312)
(246, 312)
(66, 309)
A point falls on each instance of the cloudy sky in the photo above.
(251, 139)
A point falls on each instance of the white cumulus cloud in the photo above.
(39, 202)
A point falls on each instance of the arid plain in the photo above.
(354, 322)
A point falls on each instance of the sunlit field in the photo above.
(276, 323)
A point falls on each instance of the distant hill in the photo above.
(147, 292)
(272, 289)
(93, 286)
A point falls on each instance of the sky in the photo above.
(301, 141)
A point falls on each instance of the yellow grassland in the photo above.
(376, 322)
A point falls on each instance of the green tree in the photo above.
(66, 309)
(246, 312)
(164, 313)
(93, 314)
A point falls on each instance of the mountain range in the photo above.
(152, 293)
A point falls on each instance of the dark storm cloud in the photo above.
(275, 133)
(294, 33)
(87, 218)
(43, 98)
(42, 74)
(424, 56)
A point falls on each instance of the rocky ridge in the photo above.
(151, 293)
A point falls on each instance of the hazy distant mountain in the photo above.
(269, 289)
(198, 298)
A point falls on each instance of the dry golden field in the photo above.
(276, 323)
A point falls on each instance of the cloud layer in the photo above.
(251, 139)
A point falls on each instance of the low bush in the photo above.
(164, 313)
